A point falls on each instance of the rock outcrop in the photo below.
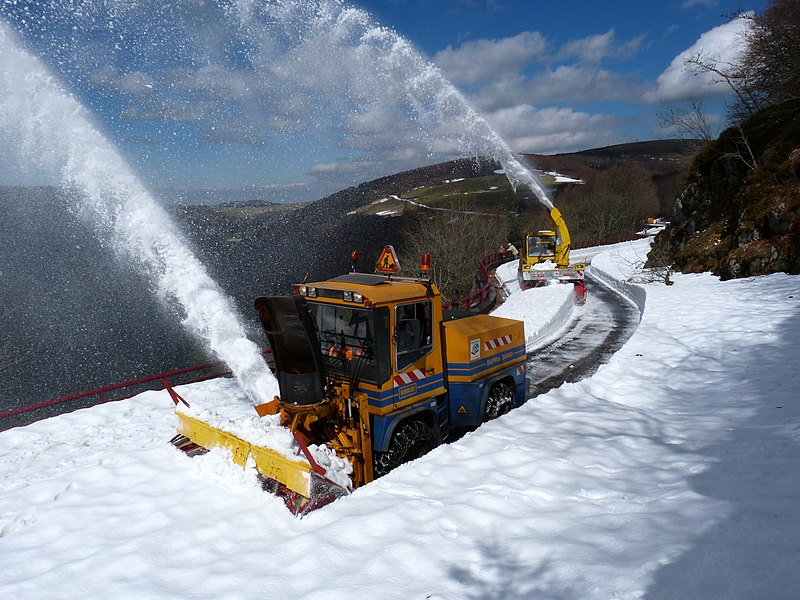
(739, 212)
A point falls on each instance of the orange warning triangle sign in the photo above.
(388, 263)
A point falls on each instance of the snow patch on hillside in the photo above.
(559, 178)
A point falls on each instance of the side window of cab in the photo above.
(413, 332)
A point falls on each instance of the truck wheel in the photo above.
(500, 400)
(410, 440)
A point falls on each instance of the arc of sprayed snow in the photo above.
(56, 132)
(425, 84)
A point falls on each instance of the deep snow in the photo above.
(669, 473)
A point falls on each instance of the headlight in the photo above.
(347, 296)
(302, 290)
(358, 297)
(312, 292)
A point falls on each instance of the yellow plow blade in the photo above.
(294, 474)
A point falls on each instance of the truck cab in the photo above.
(541, 247)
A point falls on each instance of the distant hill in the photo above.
(264, 248)
(658, 150)
(667, 161)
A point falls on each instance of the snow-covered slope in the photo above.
(670, 473)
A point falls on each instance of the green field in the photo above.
(490, 194)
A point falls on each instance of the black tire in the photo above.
(410, 440)
(500, 400)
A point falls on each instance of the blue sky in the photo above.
(301, 98)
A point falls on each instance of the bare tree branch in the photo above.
(456, 240)
(689, 120)
(742, 145)
(768, 71)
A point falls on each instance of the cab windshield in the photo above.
(354, 341)
(541, 246)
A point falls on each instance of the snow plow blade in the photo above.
(300, 483)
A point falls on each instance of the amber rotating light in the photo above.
(425, 264)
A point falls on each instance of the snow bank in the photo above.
(615, 266)
(220, 404)
(546, 311)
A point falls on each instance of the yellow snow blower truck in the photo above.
(545, 258)
(370, 367)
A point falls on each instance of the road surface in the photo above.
(605, 323)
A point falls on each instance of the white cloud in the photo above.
(135, 84)
(505, 80)
(348, 172)
(216, 80)
(168, 110)
(564, 84)
(595, 48)
(721, 45)
(321, 168)
(481, 59)
(502, 73)
(580, 84)
(552, 130)
(234, 132)
(104, 76)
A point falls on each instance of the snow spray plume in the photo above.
(54, 130)
(295, 42)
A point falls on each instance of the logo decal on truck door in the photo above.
(474, 350)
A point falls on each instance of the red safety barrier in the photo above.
(102, 392)
(482, 297)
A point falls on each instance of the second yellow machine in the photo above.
(545, 258)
